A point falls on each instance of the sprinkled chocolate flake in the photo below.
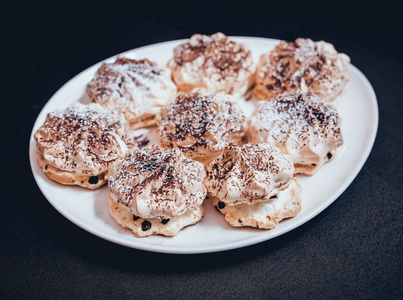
(142, 141)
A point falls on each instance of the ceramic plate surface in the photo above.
(89, 209)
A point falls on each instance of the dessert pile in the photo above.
(207, 147)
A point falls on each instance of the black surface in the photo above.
(352, 249)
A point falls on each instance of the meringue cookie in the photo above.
(301, 125)
(136, 88)
(143, 227)
(80, 142)
(302, 65)
(249, 174)
(201, 124)
(264, 214)
(215, 63)
(157, 183)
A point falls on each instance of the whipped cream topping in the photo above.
(201, 123)
(83, 139)
(302, 65)
(249, 174)
(154, 182)
(136, 88)
(215, 63)
(301, 125)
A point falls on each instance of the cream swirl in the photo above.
(301, 125)
(201, 123)
(136, 88)
(215, 63)
(302, 65)
(83, 139)
(153, 182)
(249, 174)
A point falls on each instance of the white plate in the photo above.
(89, 209)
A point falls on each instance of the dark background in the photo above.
(352, 249)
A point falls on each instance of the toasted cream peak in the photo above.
(301, 125)
(251, 173)
(83, 139)
(154, 182)
(302, 65)
(213, 62)
(201, 123)
(136, 88)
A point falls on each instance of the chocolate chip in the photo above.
(164, 221)
(273, 197)
(221, 205)
(46, 167)
(314, 165)
(146, 225)
(239, 221)
(329, 156)
(135, 218)
(93, 180)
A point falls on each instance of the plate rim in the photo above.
(227, 246)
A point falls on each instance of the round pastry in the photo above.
(156, 191)
(76, 145)
(201, 124)
(215, 63)
(301, 125)
(253, 185)
(136, 88)
(302, 65)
